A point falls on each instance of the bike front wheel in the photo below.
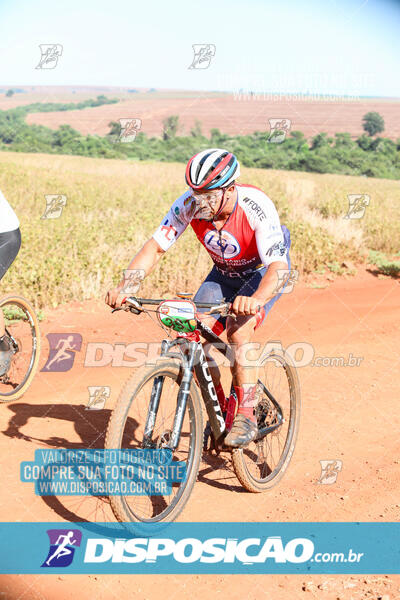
(126, 431)
(22, 330)
(262, 464)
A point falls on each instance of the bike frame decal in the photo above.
(209, 394)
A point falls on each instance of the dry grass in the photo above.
(113, 207)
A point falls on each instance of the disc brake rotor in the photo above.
(164, 439)
(266, 413)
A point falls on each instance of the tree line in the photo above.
(369, 154)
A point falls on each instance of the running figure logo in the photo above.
(357, 206)
(63, 543)
(329, 471)
(133, 279)
(98, 395)
(203, 54)
(50, 54)
(129, 129)
(62, 351)
(54, 206)
(286, 280)
(279, 128)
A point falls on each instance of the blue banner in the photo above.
(248, 548)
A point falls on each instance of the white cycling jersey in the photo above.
(251, 238)
(8, 219)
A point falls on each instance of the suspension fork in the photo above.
(187, 358)
(184, 390)
(152, 412)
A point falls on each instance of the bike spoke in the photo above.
(263, 458)
(147, 507)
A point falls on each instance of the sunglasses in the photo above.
(208, 196)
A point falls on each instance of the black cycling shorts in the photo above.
(10, 243)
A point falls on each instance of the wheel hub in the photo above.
(164, 439)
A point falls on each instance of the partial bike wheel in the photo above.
(22, 329)
(126, 431)
(262, 464)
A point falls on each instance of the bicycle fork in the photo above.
(193, 359)
(184, 390)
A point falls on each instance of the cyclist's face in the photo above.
(207, 203)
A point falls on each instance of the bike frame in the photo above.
(193, 359)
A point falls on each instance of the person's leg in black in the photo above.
(10, 243)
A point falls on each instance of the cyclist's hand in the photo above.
(246, 305)
(115, 297)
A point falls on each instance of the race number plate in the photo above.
(179, 315)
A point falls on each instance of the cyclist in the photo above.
(239, 226)
(10, 243)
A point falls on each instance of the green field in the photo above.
(114, 206)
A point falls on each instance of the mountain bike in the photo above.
(160, 407)
(22, 330)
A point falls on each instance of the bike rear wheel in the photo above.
(22, 329)
(262, 464)
(126, 431)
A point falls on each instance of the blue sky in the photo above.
(325, 46)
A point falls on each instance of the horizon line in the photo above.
(146, 89)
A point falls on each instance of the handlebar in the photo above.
(134, 305)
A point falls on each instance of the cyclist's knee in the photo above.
(240, 331)
(236, 337)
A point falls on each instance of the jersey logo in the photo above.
(256, 208)
(277, 249)
(223, 244)
(169, 231)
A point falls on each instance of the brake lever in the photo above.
(134, 306)
(227, 311)
(131, 309)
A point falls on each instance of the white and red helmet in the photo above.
(211, 169)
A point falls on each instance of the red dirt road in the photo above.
(349, 414)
